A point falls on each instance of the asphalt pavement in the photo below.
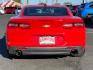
(46, 62)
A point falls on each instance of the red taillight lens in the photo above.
(24, 25)
(13, 25)
(70, 25)
(18, 25)
(67, 25)
(78, 24)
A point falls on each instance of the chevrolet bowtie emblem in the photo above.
(46, 26)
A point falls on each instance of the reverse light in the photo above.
(24, 25)
(78, 24)
(13, 25)
(21, 25)
(70, 25)
(67, 25)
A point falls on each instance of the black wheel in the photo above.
(77, 53)
(10, 56)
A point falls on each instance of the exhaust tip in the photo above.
(18, 53)
(74, 52)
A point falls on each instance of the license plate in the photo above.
(47, 40)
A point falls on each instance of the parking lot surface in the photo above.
(46, 62)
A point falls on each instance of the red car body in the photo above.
(46, 35)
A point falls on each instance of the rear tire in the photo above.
(10, 56)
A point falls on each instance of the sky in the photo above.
(76, 2)
(60, 1)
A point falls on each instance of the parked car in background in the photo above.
(2, 11)
(80, 9)
(46, 30)
(87, 11)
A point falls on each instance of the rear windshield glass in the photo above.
(36, 11)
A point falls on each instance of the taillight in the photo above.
(70, 25)
(12, 25)
(18, 25)
(78, 24)
(66, 25)
(24, 25)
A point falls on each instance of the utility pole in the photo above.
(83, 1)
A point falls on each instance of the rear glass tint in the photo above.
(46, 11)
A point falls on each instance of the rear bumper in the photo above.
(45, 51)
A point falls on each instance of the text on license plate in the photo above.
(47, 40)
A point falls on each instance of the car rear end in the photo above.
(47, 34)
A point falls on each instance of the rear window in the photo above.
(38, 11)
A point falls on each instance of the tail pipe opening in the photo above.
(18, 53)
(74, 52)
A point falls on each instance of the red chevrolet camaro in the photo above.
(46, 30)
